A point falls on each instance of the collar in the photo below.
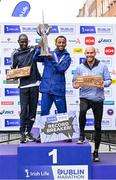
(95, 64)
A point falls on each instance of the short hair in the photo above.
(60, 37)
(22, 35)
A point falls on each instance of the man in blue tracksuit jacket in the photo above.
(53, 83)
(92, 97)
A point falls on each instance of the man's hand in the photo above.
(101, 85)
(76, 85)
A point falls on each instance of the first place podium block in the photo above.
(54, 161)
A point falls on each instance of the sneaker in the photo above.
(38, 140)
(23, 138)
(81, 140)
(96, 156)
(29, 137)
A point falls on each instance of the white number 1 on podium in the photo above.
(54, 154)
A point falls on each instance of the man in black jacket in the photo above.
(29, 87)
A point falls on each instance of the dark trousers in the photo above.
(97, 108)
(47, 101)
(28, 103)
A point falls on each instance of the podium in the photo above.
(58, 160)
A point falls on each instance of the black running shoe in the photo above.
(81, 140)
(23, 138)
(96, 157)
(29, 137)
(38, 140)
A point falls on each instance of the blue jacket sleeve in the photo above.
(36, 53)
(63, 65)
(36, 56)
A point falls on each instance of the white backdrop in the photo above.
(79, 36)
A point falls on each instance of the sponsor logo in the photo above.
(109, 50)
(38, 112)
(113, 81)
(12, 122)
(97, 50)
(89, 122)
(76, 41)
(10, 82)
(108, 92)
(103, 30)
(87, 30)
(73, 71)
(90, 40)
(7, 102)
(69, 92)
(21, 9)
(81, 60)
(95, 30)
(7, 61)
(106, 122)
(102, 40)
(71, 172)
(107, 61)
(113, 72)
(6, 112)
(12, 29)
(58, 172)
(8, 40)
(67, 29)
(74, 103)
(73, 59)
(54, 29)
(52, 118)
(37, 40)
(110, 112)
(28, 29)
(11, 92)
(78, 50)
(18, 102)
(109, 102)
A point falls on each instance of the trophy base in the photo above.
(45, 55)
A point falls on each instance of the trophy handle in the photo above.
(43, 29)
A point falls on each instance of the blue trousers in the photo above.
(49, 99)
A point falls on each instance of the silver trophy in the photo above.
(44, 30)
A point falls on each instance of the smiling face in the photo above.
(23, 41)
(90, 54)
(60, 43)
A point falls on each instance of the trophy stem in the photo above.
(42, 17)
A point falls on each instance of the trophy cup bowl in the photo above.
(44, 30)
